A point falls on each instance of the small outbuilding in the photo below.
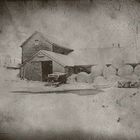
(37, 67)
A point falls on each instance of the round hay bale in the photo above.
(82, 77)
(125, 70)
(89, 79)
(96, 70)
(137, 70)
(108, 71)
(72, 78)
(100, 80)
(92, 76)
(132, 77)
(117, 62)
(113, 78)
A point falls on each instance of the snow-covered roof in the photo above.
(44, 55)
(65, 60)
(89, 56)
(94, 56)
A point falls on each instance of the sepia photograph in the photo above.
(69, 69)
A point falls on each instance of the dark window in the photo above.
(36, 42)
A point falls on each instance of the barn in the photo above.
(44, 62)
(41, 56)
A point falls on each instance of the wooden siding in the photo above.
(33, 71)
(56, 66)
(32, 46)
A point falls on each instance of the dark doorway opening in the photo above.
(46, 69)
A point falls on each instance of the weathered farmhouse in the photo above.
(41, 57)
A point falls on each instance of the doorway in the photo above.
(46, 69)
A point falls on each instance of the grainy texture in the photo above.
(28, 111)
(34, 44)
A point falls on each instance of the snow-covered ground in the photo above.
(112, 113)
(104, 112)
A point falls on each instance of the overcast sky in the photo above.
(77, 24)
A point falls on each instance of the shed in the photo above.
(37, 67)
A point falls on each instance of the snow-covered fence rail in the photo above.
(9, 61)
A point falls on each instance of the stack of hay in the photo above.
(89, 79)
(130, 78)
(109, 71)
(110, 74)
(72, 78)
(96, 71)
(118, 61)
(82, 77)
(100, 80)
(125, 70)
(137, 70)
